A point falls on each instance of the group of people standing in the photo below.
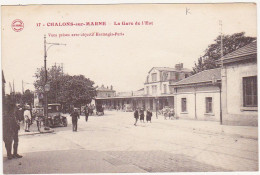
(140, 113)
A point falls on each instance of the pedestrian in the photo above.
(86, 113)
(172, 113)
(75, 117)
(136, 116)
(11, 127)
(149, 116)
(142, 115)
(27, 118)
(20, 113)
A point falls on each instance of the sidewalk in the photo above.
(33, 130)
(213, 127)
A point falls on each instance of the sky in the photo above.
(180, 34)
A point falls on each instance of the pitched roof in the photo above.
(201, 77)
(248, 49)
(170, 69)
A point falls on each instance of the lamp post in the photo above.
(47, 86)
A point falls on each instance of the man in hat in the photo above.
(75, 116)
(136, 115)
(27, 118)
(11, 127)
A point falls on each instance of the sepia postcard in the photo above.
(129, 88)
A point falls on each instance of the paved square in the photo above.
(112, 144)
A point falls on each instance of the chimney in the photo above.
(107, 87)
(111, 87)
(179, 66)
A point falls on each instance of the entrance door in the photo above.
(151, 103)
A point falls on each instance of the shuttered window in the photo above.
(183, 105)
(208, 104)
(250, 91)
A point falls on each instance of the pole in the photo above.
(221, 59)
(220, 104)
(221, 41)
(156, 106)
(22, 87)
(195, 93)
(45, 81)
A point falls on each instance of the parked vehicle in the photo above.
(99, 110)
(55, 116)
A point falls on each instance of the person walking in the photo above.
(27, 118)
(142, 115)
(75, 117)
(86, 113)
(136, 116)
(149, 116)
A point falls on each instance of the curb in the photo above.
(35, 133)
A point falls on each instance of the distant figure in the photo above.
(171, 114)
(86, 113)
(136, 116)
(142, 115)
(75, 117)
(149, 115)
(27, 118)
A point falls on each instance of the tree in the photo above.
(213, 51)
(54, 78)
(77, 90)
(27, 97)
(65, 89)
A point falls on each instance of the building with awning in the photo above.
(156, 93)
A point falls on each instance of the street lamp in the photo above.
(47, 86)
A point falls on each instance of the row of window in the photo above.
(165, 77)
(154, 89)
(208, 102)
(249, 95)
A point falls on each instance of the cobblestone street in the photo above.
(111, 143)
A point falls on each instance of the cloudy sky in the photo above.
(124, 61)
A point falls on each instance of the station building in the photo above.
(156, 92)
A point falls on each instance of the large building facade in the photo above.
(156, 93)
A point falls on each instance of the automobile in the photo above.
(99, 110)
(128, 108)
(55, 116)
